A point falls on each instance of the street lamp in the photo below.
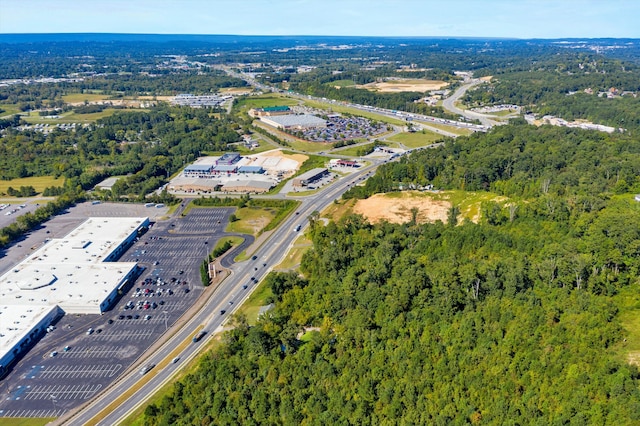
(166, 327)
(53, 400)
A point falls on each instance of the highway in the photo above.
(450, 105)
(399, 115)
(227, 297)
(209, 318)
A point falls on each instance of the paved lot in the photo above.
(48, 383)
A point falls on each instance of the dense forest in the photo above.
(511, 320)
(522, 161)
(148, 146)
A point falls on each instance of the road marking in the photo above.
(62, 392)
(94, 371)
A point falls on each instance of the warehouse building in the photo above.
(295, 122)
(309, 177)
(248, 186)
(198, 170)
(228, 159)
(77, 274)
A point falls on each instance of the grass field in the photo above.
(265, 101)
(72, 117)
(294, 256)
(309, 146)
(450, 129)
(416, 139)
(252, 220)
(72, 98)
(38, 182)
(9, 109)
(20, 421)
(336, 210)
(352, 151)
(628, 303)
(259, 297)
(341, 83)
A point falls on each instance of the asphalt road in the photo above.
(450, 105)
(228, 296)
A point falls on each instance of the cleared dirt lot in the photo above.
(405, 85)
(397, 209)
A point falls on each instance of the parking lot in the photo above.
(84, 353)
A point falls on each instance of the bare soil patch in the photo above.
(405, 85)
(300, 158)
(397, 209)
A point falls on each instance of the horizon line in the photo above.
(314, 35)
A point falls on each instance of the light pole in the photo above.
(53, 400)
(166, 327)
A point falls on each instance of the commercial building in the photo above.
(76, 274)
(198, 170)
(269, 111)
(295, 122)
(228, 159)
(248, 186)
(309, 177)
(251, 169)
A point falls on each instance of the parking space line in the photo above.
(63, 392)
(93, 371)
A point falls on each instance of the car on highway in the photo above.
(146, 369)
(199, 336)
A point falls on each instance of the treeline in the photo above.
(163, 84)
(521, 161)
(28, 221)
(514, 318)
(394, 101)
(145, 146)
(427, 324)
(561, 93)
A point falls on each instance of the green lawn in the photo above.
(72, 117)
(81, 97)
(263, 101)
(294, 255)
(9, 109)
(341, 83)
(352, 151)
(628, 302)
(252, 220)
(309, 146)
(450, 129)
(22, 421)
(39, 183)
(416, 139)
(251, 308)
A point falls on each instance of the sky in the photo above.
(426, 18)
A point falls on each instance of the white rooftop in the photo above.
(17, 321)
(73, 273)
